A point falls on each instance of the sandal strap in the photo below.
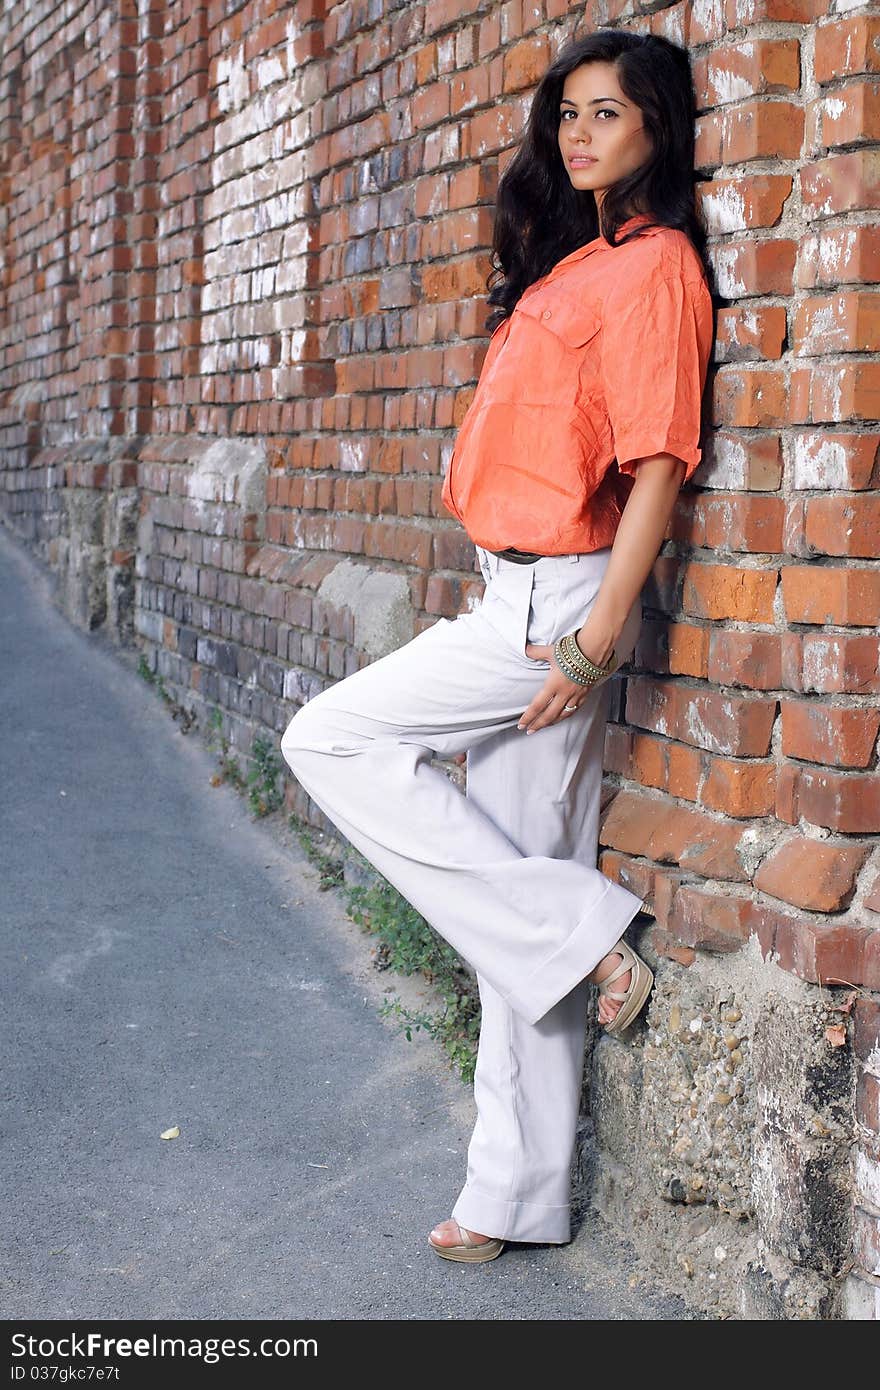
(628, 963)
(464, 1233)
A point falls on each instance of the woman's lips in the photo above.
(579, 161)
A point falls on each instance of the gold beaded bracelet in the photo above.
(576, 666)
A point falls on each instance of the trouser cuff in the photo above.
(526, 1221)
(593, 937)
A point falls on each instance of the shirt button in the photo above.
(546, 314)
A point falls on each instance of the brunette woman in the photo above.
(585, 422)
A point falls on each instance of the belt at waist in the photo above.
(519, 557)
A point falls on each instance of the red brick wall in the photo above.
(267, 226)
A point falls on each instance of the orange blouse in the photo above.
(602, 363)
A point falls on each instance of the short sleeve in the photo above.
(656, 343)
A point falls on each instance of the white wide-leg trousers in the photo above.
(506, 874)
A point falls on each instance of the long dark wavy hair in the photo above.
(540, 217)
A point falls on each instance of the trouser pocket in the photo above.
(544, 603)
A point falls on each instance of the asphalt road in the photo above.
(168, 961)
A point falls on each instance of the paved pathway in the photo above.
(168, 961)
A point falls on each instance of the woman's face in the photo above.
(601, 135)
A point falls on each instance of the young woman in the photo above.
(589, 401)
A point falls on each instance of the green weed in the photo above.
(263, 793)
(230, 770)
(186, 718)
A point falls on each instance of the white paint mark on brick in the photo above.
(269, 70)
(725, 209)
(725, 262)
(819, 462)
(233, 87)
(834, 251)
(820, 663)
(727, 465)
(353, 455)
(729, 85)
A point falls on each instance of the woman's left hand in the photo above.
(558, 697)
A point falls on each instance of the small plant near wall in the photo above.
(261, 782)
(229, 768)
(264, 795)
(184, 717)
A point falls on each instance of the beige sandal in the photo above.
(636, 995)
(468, 1249)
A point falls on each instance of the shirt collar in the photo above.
(599, 243)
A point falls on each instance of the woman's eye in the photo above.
(603, 111)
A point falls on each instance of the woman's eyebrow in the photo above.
(595, 100)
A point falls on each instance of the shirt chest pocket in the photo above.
(563, 317)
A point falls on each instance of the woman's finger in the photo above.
(542, 712)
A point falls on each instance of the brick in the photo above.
(829, 734)
(871, 969)
(734, 70)
(835, 461)
(762, 129)
(741, 789)
(721, 591)
(843, 526)
(727, 521)
(845, 322)
(750, 333)
(832, 663)
(842, 391)
(847, 802)
(866, 1032)
(826, 595)
(684, 771)
(754, 266)
(733, 461)
(844, 47)
(840, 183)
(709, 921)
(751, 12)
(750, 659)
(849, 116)
(811, 873)
(525, 62)
(734, 205)
(637, 877)
(868, 1101)
(821, 954)
(727, 724)
(755, 396)
(835, 256)
(687, 649)
(449, 597)
(659, 829)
